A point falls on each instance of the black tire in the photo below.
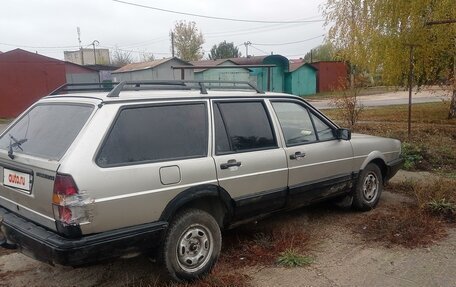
(191, 246)
(368, 188)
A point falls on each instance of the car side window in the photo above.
(156, 133)
(324, 131)
(295, 122)
(246, 125)
(222, 142)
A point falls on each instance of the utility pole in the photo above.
(80, 46)
(172, 44)
(95, 42)
(410, 84)
(247, 44)
(452, 112)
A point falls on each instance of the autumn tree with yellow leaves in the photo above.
(374, 36)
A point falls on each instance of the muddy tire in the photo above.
(191, 246)
(368, 189)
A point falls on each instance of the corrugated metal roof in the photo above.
(99, 67)
(209, 63)
(298, 63)
(251, 60)
(146, 65)
(18, 51)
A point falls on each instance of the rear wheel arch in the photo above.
(210, 198)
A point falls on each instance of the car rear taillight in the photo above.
(64, 187)
(66, 201)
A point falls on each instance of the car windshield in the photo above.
(46, 131)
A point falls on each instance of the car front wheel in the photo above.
(192, 245)
(368, 188)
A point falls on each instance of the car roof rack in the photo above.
(114, 88)
(203, 86)
(84, 87)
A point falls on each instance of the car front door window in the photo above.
(296, 124)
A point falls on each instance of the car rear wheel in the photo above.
(192, 245)
(368, 188)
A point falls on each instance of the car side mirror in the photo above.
(343, 134)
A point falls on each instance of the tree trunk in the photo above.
(452, 113)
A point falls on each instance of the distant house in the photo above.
(104, 71)
(25, 77)
(211, 73)
(88, 56)
(331, 76)
(301, 79)
(267, 79)
(154, 70)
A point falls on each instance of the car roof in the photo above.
(147, 95)
(158, 90)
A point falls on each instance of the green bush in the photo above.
(442, 207)
(291, 258)
(412, 155)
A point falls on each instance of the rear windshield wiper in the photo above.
(15, 143)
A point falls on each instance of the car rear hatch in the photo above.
(31, 149)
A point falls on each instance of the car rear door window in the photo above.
(247, 125)
(296, 124)
(222, 142)
(47, 130)
(156, 133)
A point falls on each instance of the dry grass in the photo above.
(415, 225)
(249, 245)
(436, 196)
(431, 146)
(223, 275)
(262, 244)
(429, 113)
(407, 226)
(364, 92)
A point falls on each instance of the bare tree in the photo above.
(147, 57)
(348, 104)
(121, 57)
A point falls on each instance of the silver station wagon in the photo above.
(90, 173)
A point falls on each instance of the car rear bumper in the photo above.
(393, 167)
(47, 246)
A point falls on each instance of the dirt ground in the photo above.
(342, 258)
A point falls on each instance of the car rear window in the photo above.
(47, 130)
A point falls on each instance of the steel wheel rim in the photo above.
(370, 187)
(194, 248)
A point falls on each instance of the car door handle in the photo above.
(297, 155)
(230, 163)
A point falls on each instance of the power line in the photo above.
(256, 31)
(263, 27)
(39, 47)
(145, 43)
(262, 51)
(216, 18)
(135, 51)
(288, 43)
